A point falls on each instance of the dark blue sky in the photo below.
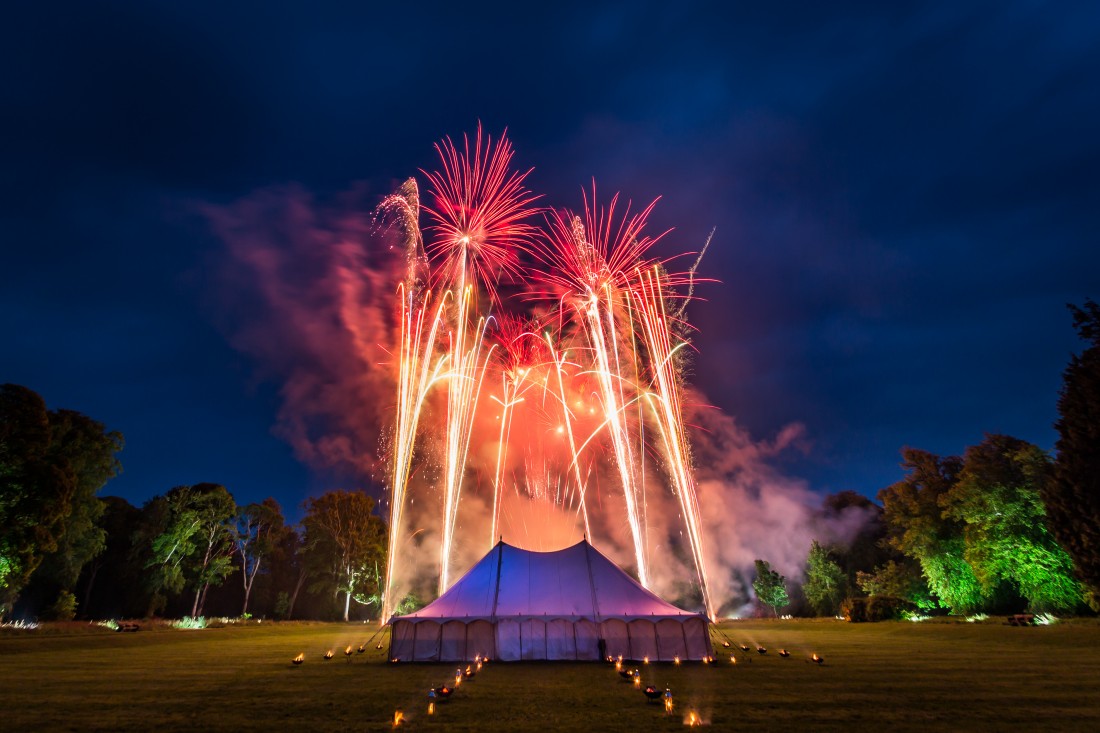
(905, 196)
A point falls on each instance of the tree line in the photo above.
(66, 552)
(1002, 527)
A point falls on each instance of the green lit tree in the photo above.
(770, 587)
(826, 582)
(343, 541)
(917, 528)
(187, 541)
(997, 499)
(1072, 498)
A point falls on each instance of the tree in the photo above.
(997, 498)
(258, 530)
(35, 495)
(343, 541)
(770, 587)
(213, 509)
(918, 528)
(186, 537)
(1072, 498)
(85, 452)
(826, 582)
(898, 579)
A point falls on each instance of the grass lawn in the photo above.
(888, 676)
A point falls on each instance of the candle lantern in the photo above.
(668, 701)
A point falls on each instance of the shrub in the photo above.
(854, 610)
(64, 608)
(888, 608)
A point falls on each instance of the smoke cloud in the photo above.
(307, 290)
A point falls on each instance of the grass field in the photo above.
(891, 676)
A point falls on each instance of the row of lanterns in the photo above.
(330, 654)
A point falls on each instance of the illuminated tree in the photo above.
(770, 587)
(1073, 497)
(826, 582)
(919, 529)
(187, 537)
(344, 541)
(997, 498)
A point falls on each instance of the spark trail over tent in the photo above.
(539, 389)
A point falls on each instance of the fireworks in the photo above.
(541, 396)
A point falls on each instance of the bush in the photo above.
(875, 608)
(888, 608)
(64, 608)
(854, 610)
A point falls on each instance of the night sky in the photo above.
(905, 195)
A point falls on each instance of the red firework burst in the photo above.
(582, 256)
(477, 212)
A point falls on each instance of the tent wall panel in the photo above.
(643, 639)
(480, 640)
(670, 641)
(532, 636)
(426, 641)
(587, 635)
(401, 640)
(698, 638)
(560, 641)
(618, 640)
(508, 646)
(452, 646)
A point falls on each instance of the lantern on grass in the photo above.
(458, 677)
(744, 647)
(298, 659)
(692, 719)
(362, 648)
(328, 655)
(645, 660)
(784, 653)
(431, 701)
(668, 701)
(379, 645)
(761, 650)
(726, 644)
(733, 659)
(817, 659)
(637, 679)
(398, 717)
(676, 660)
(469, 672)
(347, 653)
